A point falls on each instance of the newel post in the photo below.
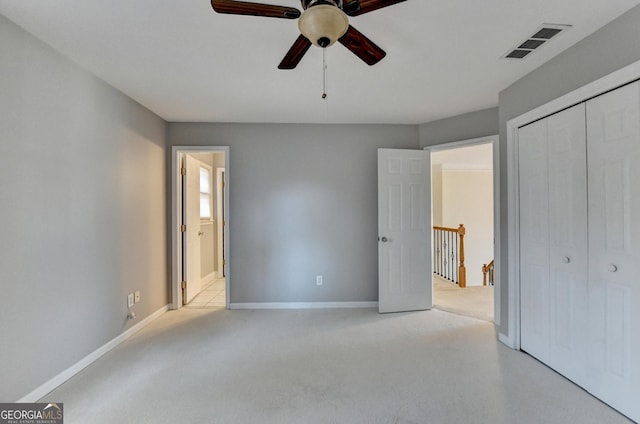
(462, 271)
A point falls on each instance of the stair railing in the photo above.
(487, 270)
(448, 254)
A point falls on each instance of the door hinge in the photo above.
(183, 228)
(184, 285)
(224, 262)
(183, 171)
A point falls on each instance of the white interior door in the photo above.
(613, 139)
(191, 218)
(404, 230)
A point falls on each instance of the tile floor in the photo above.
(212, 296)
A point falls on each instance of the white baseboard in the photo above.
(303, 305)
(65, 375)
(208, 278)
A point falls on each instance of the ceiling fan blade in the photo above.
(256, 9)
(360, 7)
(362, 47)
(295, 53)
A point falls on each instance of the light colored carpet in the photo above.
(472, 301)
(321, 366)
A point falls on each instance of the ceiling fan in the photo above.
(322, 23)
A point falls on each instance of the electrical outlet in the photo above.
(319, 280)
(136, 296)
(130, 300)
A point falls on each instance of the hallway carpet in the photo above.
(472, 301)
(321, 366)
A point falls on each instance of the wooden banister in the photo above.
(462, 271)
(454, 233)
(487, 269)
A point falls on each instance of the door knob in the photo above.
(566, 259)
(613, 268)
(200, 233)
(384, 239)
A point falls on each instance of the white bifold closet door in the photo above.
(613, 142)
(579, 189)
(534, 240)
(553, 241)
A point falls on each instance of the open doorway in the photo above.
(200, 239)
(464, 227)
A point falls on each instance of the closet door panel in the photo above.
(613, 143)
(534, 239)
(568, 253)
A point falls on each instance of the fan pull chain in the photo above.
(324, 73)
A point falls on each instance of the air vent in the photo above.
(531, 44)
(539, 38)
(547, 33)
(518, 54)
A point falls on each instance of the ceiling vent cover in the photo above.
(539, 38)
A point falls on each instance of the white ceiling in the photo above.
(187, 63)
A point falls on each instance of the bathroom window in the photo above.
(205, 193)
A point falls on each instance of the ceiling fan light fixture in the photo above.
(323, 24)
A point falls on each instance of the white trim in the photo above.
(495, 142)
(465, 167)
(176, 218)
(497, 229)
(303, 305)
(461, 143)
(65, 375)
(513, 236)
(508, 341)
(611, 81)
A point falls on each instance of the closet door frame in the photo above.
(509, 333)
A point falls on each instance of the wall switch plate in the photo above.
(130, 300)
(136, 296)
(319, 280)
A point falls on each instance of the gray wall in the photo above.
(82, 203)
(303, 202)
(470, 125)
(609, 49)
